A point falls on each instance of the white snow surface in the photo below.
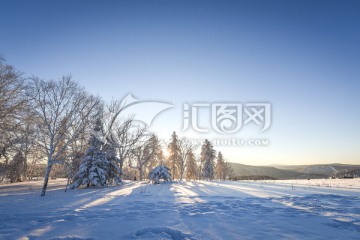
(296, 209)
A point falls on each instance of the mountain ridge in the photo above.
(294, 171)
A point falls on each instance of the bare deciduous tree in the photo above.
(185, 149)
(13, 101)
(127, 135)
(122, 132)
(145, 152)
(65, 110)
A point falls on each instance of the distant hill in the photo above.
(272, 172)
(294, 171)
(319, 168)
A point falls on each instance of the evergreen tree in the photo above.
(173, 159)
(158, 156)
(191, 171)
(114, 172)
(94, 167)
(220, 167)
(160, 172)
(207, 158)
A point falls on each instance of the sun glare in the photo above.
(165, 152)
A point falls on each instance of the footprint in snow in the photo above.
(161, 233)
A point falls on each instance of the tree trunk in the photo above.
(121, 168)
(47, 174)
(182, 170)
(67, 183)
(181, 173)
(25, 168)
(68, 177)
(141, 173)
(121, 164)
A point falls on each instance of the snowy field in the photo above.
(314, 209)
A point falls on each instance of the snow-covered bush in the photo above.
(160, 172)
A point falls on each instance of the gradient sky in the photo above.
(301, 56)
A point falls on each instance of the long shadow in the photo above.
(287, 217)
(137, 207)
(190, 210)
(23, 188)
(44, 215)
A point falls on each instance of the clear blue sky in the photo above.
(302, 56)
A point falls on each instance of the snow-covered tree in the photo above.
(160, 172)
(54, 101)
(95, 166)
(114, 172)
(207, 157)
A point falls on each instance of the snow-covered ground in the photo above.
(303, 209)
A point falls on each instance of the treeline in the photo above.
(58, 124)
(252, 177)
(184, 163)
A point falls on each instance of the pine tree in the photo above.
(157, 158)
(173, 149)
(220, 167)
(191, 171)
(114, 172)
(94, 167)
(207, 158)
